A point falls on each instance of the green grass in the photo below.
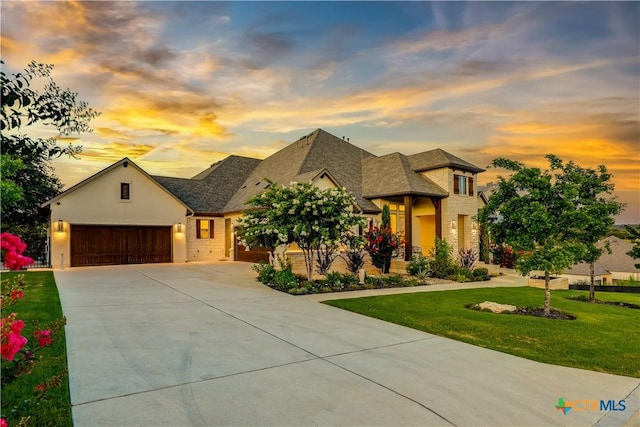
(41, 302)
(603, 338)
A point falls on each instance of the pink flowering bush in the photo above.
(43, 337)
(16, 356)
(12, 340)
(12, 249)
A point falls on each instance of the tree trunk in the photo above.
(547, 295)
(592, 285)
(308, 263)
(386, 266)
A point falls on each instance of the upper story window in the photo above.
(125, 193)
(463, 185)
(204, 229)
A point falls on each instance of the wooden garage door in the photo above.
(252, 255)
(111, 245)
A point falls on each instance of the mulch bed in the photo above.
(539, 312)
(614, 303)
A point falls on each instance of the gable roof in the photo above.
(617, 260)
(302, 160)
(438, 158)
(106, 171)
(391, 175)
(208, 192)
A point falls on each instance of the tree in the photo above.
(10, 192)
(591, 194)
(535, 212)
(316, 220)
(32, 181)
(634, 233)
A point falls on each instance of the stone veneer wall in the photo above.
(205, 249)
(457, 204)
(339, 265)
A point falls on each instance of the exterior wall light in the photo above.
(474, 226)
(179, 228)
(60, 226)
(454, 225)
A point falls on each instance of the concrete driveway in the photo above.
(204, 344)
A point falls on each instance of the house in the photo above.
(610, 267)
(123, 215)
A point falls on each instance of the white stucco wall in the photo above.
(98, 203)
(625, 275)
(575, 278)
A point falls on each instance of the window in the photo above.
(462, 185)
(124, 191)
(396, 212)
(204, 229)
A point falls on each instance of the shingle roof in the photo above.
(392, 175)
(226, 186)
(438, 158)
(301, 160)
(210, 190)
(617, 260)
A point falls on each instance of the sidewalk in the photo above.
(510, 279)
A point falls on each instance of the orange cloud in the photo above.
(113, 133)
(114, 151)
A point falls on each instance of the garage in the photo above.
(258, 254)
(112, 245)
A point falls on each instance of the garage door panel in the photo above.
(112, 245)
(148, 245)
(256, 255)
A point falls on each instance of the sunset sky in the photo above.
(183, 84)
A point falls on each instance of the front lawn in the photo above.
(603, 338)
(52, 407)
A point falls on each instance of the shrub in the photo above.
(464, 275)
(335, 279)
(354, 260)
(376, 281)
(285, 280)
(419, 266)
(467, 257)
(382, 242)
(442, 264)
(325, 256)
(354, 253)
(410, 283)
(301, 290)
(481, 274)
(394, 280)
(503, 255)
(266, 272)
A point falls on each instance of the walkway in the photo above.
(204, 344)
